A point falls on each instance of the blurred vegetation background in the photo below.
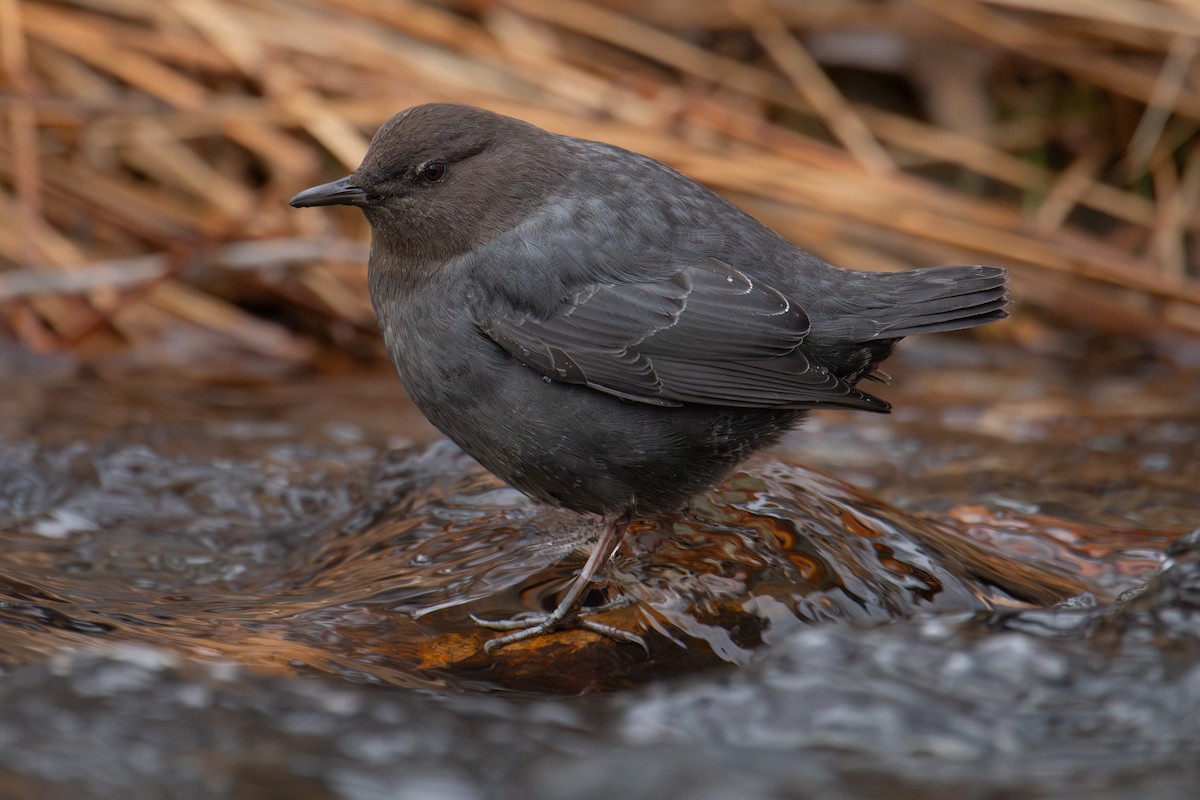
(148, 149)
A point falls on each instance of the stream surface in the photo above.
(265, 592)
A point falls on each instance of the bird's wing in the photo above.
(706, 334)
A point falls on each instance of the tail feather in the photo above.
(875, 310)
(942, 311)
(940, 299)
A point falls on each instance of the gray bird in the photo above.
(604, 333)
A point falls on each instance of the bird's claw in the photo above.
(529, 625)
(615, 633)
(521, 622)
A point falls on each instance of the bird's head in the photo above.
(440, 179)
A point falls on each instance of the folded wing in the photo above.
(706, 334)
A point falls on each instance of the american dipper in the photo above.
(604, 333)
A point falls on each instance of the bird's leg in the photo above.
(567, 613)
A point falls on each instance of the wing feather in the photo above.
(706, 334)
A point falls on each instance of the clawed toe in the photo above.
(569, 613)
(614, 633)
(522, 628)
(521, 622)
(525, 626)
(529, 625)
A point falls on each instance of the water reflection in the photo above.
(271, 534)
(378, 571)
(987, 568)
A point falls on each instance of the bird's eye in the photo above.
(433, 171)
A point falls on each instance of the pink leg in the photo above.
(567, 613)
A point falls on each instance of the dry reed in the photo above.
(148, 147)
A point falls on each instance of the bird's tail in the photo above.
(937, 299)
(863, 326)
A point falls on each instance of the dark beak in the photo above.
(341, 192)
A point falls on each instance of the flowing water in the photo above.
(266, 591)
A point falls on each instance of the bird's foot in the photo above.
(570, 612)
(530, 624)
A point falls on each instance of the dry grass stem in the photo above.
(148, 148)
